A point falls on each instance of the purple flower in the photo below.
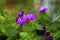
(23, 18)
(21, 21)
(49, 38)
(42, 9)
(40, 32)
(20, 13)
(47, 34)
(30, 16)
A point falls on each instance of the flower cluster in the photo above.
(23, 18)
(47, 35)
(43, 32)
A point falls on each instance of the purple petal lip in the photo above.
(20, 13)
(21, 21)
(42, 9)
(40, 32)
(30, 16)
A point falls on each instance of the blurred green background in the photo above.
(9, 30)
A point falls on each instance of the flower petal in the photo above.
(40, 32)
(42, 9)
(20, 13)
(49, 38)
(47, 34)
(30, 16)
(21, 21)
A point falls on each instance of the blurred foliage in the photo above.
(9, 30)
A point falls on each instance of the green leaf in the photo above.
(56, 35)
(56, 19)
(3, 29)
